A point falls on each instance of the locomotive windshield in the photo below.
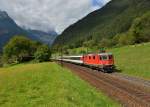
(106, 57)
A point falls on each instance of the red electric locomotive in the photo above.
(103, 61)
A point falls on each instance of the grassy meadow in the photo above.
(47, 85)
(133, 60)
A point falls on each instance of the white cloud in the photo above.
(47, 14)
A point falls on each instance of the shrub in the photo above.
(17, 50)
(42, 54)
(20, 49)
(126, 39)
(105, 43)
(141, 28)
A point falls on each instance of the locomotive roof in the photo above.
(105, 54)
(100, 54)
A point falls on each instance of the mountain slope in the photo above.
(8, 29)
(44, 37)
(116, 17)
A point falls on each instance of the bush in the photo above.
(105, 43)
(20, 49)
(126, 39)
(17, 50)
(42, 54)
(141, 29)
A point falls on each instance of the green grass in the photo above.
(133, 60)
(47, 85)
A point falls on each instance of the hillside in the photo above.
(114, 18)
(47, 85)
(41, 36)
(8, 29)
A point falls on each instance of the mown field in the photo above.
(133, 60)
(47, 85)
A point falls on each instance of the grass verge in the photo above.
(133, 60)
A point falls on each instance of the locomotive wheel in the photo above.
(104, 70)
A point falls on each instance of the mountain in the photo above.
(8, 29)
(114, 18)
(44, 37)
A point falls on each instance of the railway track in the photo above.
(127, 93)
(134, 80)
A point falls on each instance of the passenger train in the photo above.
(103, 62)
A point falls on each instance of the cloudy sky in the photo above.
(49, 15)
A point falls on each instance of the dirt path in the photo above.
(128, 93)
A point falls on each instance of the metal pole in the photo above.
(87, 50)
(62, 51)
(61, 56)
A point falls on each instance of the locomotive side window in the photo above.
(93, 57)
(89, 57)
(100, 57)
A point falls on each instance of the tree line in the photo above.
(21, 49)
